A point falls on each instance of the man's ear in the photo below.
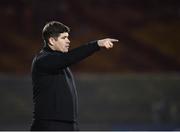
(51, 41)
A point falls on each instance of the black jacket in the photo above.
(54, 90)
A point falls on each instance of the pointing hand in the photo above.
(107, 43)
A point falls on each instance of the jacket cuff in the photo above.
(94, 45)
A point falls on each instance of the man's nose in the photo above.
(68, 41)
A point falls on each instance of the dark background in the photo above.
(134, 86)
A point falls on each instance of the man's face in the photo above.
(62, 43)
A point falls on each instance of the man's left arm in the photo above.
(86, 50)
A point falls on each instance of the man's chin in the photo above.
(65, 51)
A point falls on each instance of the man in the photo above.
(54, 90)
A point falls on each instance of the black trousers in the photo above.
(53, 125)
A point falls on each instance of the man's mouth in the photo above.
(67, 46)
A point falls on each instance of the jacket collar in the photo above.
(47, 48)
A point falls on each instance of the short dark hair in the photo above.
(53, 29)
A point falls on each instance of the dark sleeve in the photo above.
(58, 60)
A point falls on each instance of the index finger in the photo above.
(113, 40)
